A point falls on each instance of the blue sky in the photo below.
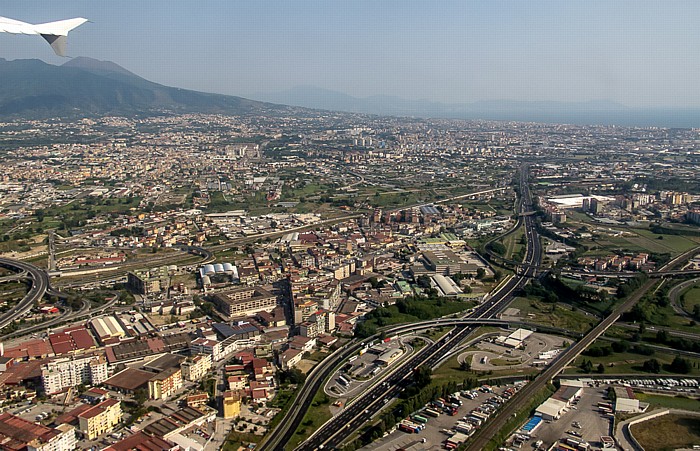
(637, 53)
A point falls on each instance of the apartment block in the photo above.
(100, 419)
(195, 367)
(164, 384)
(245, 301)
(70, 372)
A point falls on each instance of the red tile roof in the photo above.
(16, 433)
(30, 349)
(72, 339)
(141, 442)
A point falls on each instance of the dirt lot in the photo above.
(668, 432)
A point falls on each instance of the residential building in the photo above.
(290, 358)
(165, 384)
(149, 281)
(245, 301)
(205, 346)
(231, 404)
(195, 367)
(19, 434)
(70, 372)
(100, 419)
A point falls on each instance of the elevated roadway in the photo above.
(39, 280)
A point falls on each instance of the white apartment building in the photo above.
(71, 371)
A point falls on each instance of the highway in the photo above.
(675, 292)
(516, 403)
(522, 398)
(361, 409)
(39, 285)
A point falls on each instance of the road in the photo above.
(523, 397)
(674, 295)
(364, 407)
(40, 284)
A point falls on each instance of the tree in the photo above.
(498, 248)
(601, 368)
(661, 336)
(140, 396)
(587, 366)
(480, 273)
(651, 366)
(293, 376)
(422, 376)
(465, 365)
(680, 365)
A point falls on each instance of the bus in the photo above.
(344, 381)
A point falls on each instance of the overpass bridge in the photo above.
(39, 280)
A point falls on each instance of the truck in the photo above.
(406, 428)
(464, 428)
(480, 415)
(411, 427)
(419, 419)
(432, 413)
(476, 421)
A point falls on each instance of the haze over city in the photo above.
(627, 53)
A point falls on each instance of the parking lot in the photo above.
(585, 413)
(437, 430)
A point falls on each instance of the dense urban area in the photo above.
(323, 280)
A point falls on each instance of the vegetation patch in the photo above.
(669, 402)
(318, 413)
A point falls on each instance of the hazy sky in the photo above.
(637, 53)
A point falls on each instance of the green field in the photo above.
(513, 244)
(670, 402)
(627, 362)
(315, 417)
(690, 298)
(668, 243)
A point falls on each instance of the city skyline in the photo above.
(640, 55)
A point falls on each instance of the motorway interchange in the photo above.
(365, 406)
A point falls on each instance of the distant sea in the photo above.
(676, 118)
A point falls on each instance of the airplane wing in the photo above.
(55, 33)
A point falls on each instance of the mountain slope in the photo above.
(86, 87)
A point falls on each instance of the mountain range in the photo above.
(602, 112)
(88, 87)
(592, 112)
